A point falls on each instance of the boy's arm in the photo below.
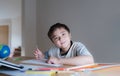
(78, 60)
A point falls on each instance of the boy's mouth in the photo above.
(63, 42)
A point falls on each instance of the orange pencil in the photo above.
(50, 69)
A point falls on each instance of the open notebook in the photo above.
(5, 65)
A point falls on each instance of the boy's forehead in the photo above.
(59, 29)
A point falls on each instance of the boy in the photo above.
(65, 50)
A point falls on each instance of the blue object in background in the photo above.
(4, 51)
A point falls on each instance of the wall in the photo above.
(28, 27)
(10, 15)
(93, 22)
(10, 9)
(16, 34)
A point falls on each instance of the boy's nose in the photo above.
(60, 38)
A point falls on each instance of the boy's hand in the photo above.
(53, 60)
(38, 54)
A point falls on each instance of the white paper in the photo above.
(41, 62)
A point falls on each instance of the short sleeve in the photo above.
(46, 54)
(82, 50)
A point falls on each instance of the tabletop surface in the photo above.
(111, 71)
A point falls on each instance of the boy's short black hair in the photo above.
(55, 26)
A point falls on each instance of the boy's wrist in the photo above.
(61, 61)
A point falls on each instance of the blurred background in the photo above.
(95, 23)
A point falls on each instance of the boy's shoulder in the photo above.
(78, 43)
(53, 48)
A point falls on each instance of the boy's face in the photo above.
(61, 38)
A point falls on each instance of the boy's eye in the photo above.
(63, 34)
(55, 38)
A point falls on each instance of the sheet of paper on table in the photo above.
(41, 62)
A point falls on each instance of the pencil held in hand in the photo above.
(38, 54)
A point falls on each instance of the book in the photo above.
(10, 65)
(6, 65)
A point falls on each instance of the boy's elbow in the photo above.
(91, 60)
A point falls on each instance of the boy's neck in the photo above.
(66, 49)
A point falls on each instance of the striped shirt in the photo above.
(76, 49)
